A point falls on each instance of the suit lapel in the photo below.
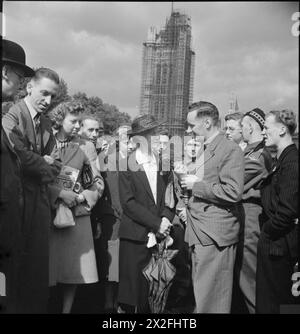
(28, 125)
(210, 151)
(142, 176)
(159, 188)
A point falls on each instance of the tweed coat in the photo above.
(213, 206)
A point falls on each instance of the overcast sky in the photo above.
(246, 48)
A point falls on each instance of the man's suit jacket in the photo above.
(19, 128)
(280, 200)
(141, 214)
(213, 209)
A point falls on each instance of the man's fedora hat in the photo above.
(14, 54)
(143, 124)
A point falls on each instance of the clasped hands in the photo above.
(70, 198)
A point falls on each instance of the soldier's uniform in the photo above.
(258, 162)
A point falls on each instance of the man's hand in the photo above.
(188, 181)
(48, 159)
(165, 226)
(68, 197)
(182, 214)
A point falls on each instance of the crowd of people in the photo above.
(80, 208)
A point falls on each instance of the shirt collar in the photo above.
(32, 111)
(143, 158)
(210, 139)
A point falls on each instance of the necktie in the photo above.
(36, 119)
(37, 131)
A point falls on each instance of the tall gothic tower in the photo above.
(168, 73)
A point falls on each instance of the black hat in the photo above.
(258, 115)
(143, 124)
(14, 54)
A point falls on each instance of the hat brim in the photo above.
(133, 133)
(28, 72)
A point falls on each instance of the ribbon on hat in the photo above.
(257, 117)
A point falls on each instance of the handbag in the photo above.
(64, 217)
(87, 178)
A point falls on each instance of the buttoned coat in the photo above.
(19, 128)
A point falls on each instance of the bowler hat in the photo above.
(144, 124)
(14, 54)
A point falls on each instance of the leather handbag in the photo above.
(87, 178)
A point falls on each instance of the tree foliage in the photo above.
(109, 114)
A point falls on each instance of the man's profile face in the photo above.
(192, 148)
(233, 130)
(41, 93)
(272, 131)
(11, 80)
(90, 130)
(195, 125)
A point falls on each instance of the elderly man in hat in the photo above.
(213, 211)
(30, 133)
(14, 68)
(142, 192)
(258, 162)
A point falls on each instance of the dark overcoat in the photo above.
(278, 245)
(11, 215)
(141, 215)
(37, 174)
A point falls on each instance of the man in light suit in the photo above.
(30, 133)
(213, 213)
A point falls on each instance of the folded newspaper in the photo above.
(67, 177)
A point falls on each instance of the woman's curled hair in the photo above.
(59, 113)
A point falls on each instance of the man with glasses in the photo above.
(233, 128)
(13, 71)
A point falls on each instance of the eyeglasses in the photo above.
(20, 76)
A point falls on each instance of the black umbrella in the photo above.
(160, 273)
